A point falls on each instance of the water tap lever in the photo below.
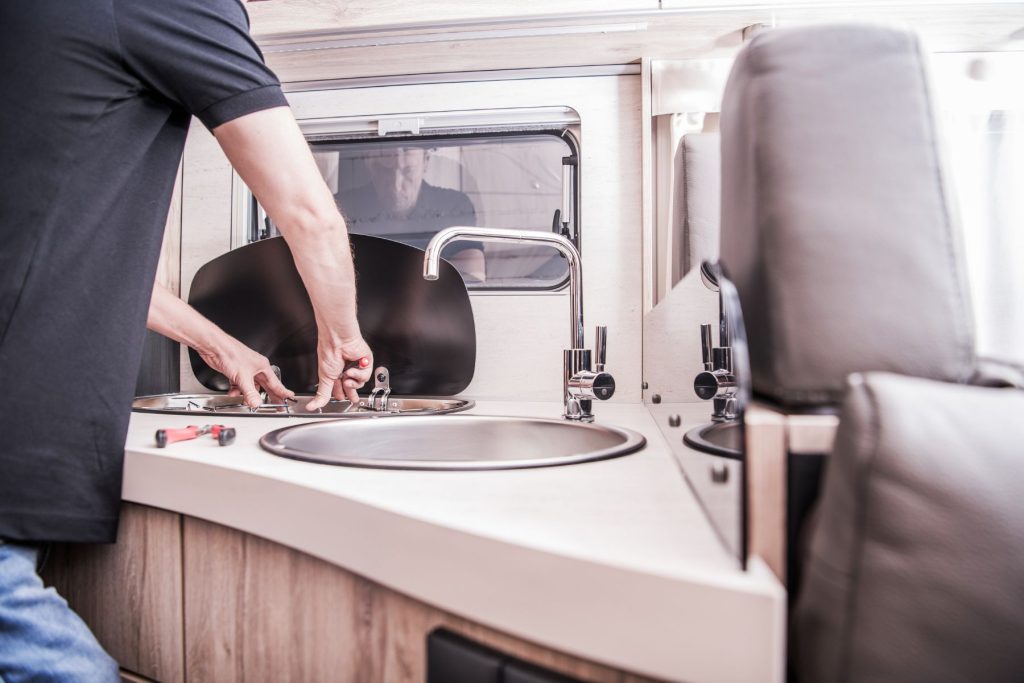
(705, 347)
(580, 383)
(584, 385)
(717, 382)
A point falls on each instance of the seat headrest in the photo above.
(836, 219)
(700, 187)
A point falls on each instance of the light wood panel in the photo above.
(687, 30)
(647, 234)
(811, 434)
(130, 593)
(205, 217)
(773, 436)
(257, 611)
(168, 270)
(766, 483)
(289, 16)
(618, 44)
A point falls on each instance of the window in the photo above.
(982, 117)
(408, 188)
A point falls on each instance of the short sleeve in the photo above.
(463, 213)
(198, 54)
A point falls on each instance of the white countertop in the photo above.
(612, 561)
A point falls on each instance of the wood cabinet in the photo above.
(772, 439)
(182, 599)
(130, 593)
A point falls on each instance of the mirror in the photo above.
(685, 101)
(697, 390)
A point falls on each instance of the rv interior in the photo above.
(700, 334)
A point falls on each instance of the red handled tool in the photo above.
(225, 435)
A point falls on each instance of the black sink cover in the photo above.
(422, 331)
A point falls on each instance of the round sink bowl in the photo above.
(452, 442)
(717, 438)
(177, 404)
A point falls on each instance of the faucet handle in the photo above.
(600, 347)
(705, 346)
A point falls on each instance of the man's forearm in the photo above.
(269, 152)
(173, 318)
(246, 370)
(323, 258)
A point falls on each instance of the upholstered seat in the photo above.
(838, 233)
(836, 222)
(915, 568)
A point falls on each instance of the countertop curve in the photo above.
(611, 561)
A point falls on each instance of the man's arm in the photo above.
(269, 152)
(244, 368)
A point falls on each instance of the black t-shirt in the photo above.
(95, 100)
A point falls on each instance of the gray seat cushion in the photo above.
(836, 226)
(701, 197)
(915, 570)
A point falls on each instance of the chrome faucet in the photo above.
(580, 384)
(718, 380)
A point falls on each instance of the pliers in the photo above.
(225, 435)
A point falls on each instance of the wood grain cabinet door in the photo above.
(130, 593)
(257, 611)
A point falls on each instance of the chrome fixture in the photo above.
(381, 390)
(580, 384)
(718, 380)
(234, 406)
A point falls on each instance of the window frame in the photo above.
(247, 213)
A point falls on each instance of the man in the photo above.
(97, 96)
(399, 204)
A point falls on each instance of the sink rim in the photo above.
(460, 405)
(697, 438)
(632, 442)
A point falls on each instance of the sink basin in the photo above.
(717, 438)
(232, 405)
(453, 442)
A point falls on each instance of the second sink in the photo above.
(717, 438)
(452, 442)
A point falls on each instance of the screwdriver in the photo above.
(225, 435)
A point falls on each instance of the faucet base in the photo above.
(577, 410)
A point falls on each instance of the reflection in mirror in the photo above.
(687, 195)
(725, 381)
(407, 189)
(686, 99)
(703, 425)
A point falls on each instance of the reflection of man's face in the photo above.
(397, 174)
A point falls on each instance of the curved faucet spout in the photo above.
(432, 262)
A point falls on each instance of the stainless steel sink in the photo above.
(205, 404)
(717, 438)
(455, 442)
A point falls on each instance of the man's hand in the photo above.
(246, 370)
(268, 151)
(339, 370)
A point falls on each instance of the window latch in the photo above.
(386, 126)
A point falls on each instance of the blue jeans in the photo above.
(41, 639)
